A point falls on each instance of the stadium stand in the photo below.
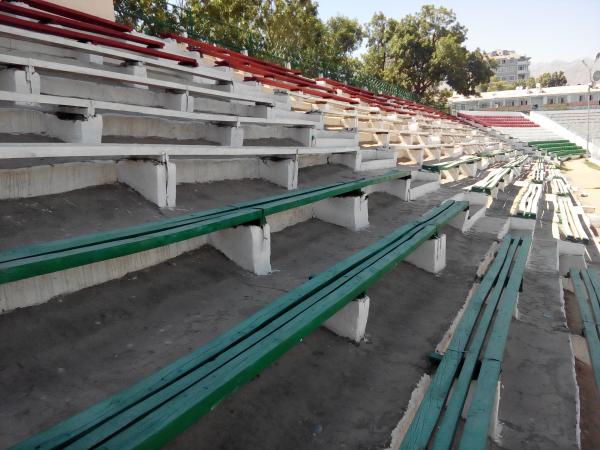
(142, 179)
(153, 411)
(576, 121)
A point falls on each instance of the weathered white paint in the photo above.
(351, 321)
(53, 179)
(430, 255)
(154, 180)
(349, 211)
(249, 246)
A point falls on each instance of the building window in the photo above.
(551, 101)
(521, 67)
(581, 98)
(562, 100)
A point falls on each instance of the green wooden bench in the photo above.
(447, 165)
(530, 200)
(39, 259)
(491, 183)
(586, 285)
(569, 221)
(485, 321)
(156, 409)
(559, 186)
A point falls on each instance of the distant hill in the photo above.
(575, 72)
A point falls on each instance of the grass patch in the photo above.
(592, 165)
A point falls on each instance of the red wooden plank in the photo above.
(74, 14)
(46, 18)
(42, 28)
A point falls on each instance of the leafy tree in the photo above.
(553, 79)
(379, 32)
(421, 51)
(149, 16)
(342, 37)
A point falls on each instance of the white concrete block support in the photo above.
(21, 81)
(88, 131)
(156, 181)
(137, 69)
(248, 246)
(282, 172)
(397, 188)
(431, 255)
(351, 321)
(351, 160)
(350, 211)
(179, 102)
(224, 135)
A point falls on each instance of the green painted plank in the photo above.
(159, 225)
(475, 432)
(165, 422)
(595, 279)
(423, 424)
(449, 423)
(65, 254)
(587, 281)
(93, 417)
(589, 327)
(259, 338)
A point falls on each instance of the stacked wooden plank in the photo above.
(153, 411)
(474, 343)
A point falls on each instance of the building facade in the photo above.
(534, 99)
(511, 66)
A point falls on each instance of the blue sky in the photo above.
(545, 30)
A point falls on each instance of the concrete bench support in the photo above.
(152, 179)
(477, 208)
(249, 246)
(426, 182)
(349, 211)
(351, 160)
(351, 321)
(21, 81)
(470, 169)
(224, 135)
(283, 172)
(137, 69)
(431, 255)
(87, 131)
(397, 188)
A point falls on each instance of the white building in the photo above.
(524, 99)
(511, 66)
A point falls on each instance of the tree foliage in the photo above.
(424, 50)
(553, 79)
(418, 53)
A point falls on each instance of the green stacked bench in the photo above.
(447, 165)
(491, 182)
(153, 411)
(529, 202)
(484, 323)
(569, 220)
(561, 149)
(40, 259)
(586, 285)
